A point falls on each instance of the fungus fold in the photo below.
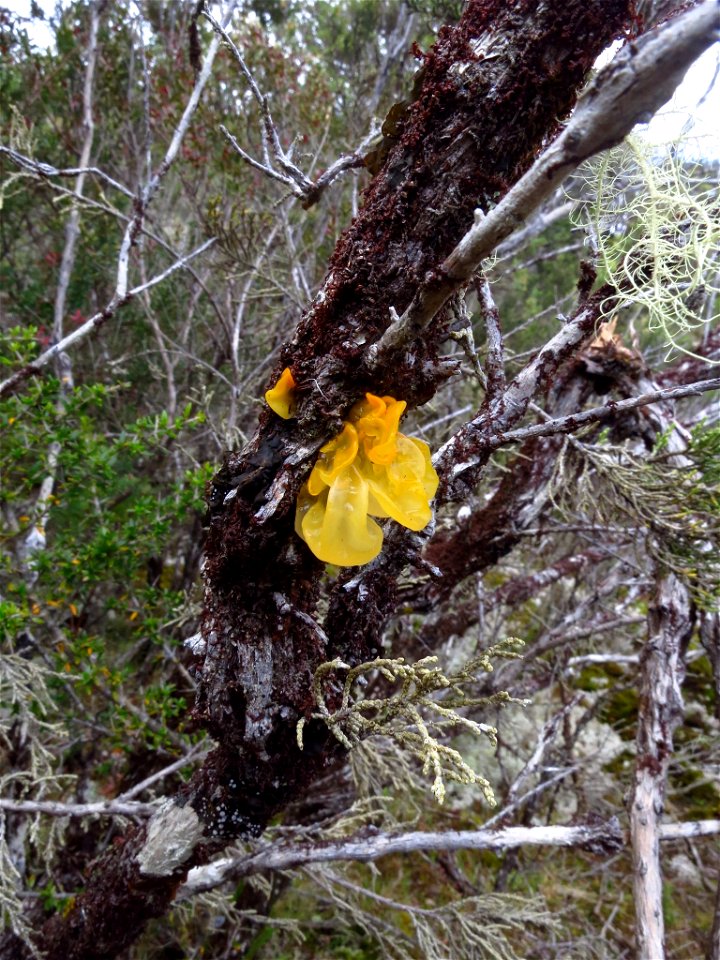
(369, 470)
(280, 398)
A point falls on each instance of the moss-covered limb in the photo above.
(244, 559)
(475, 127)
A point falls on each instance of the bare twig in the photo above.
(111, 808)
(502, 815)
(505, 410)
(47, 171)
(539, 223)
(575, 421)
(134, 228)
(605, 837)
(287, 856)
(488, 429)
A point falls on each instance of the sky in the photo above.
(692, 113)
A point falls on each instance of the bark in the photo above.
(670, 623)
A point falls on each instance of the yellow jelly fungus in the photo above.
(368, 470)
(280, 398)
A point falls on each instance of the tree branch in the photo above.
(134, 227)
(574, 421)
(602, 838)
(46, 170)
(289, 174)
(51, 808)
(632, 87)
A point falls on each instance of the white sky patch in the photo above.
(692, 112)
(691, 115)
(39, 31)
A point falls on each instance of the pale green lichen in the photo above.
(424, 708)
(656, 231)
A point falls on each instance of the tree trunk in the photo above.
(670, 623)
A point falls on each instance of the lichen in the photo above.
(424, 707)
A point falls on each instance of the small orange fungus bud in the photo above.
(368, 470)
(280, 397)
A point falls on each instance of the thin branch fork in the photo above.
(604, 838)
(93, 323)
(47, 171)
(574, 421)
(285, 171)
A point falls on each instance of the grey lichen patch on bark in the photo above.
(257, 664)
(173, 834)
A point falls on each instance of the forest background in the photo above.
(568, 586)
